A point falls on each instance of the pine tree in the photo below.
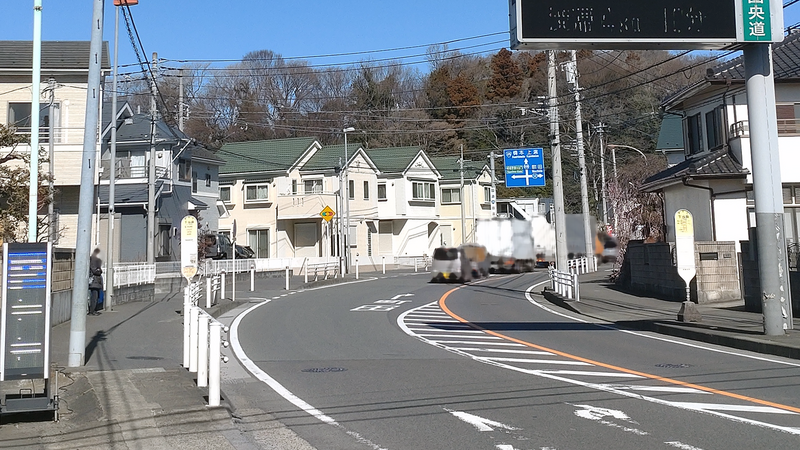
(506, 81)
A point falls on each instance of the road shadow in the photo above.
(519, 326)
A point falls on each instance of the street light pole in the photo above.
(33, 192)
(461, 198)
(347, 199)
(112, 173)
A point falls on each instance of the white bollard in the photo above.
(415, 264)
(252, 278)
(287, 278)
(187, 305)
(383, 264)
(214, 356)
(305, 277)
(202, 351)
(208, 292)
(193, 338)
(222, 286)
(356, 267)
(576, 292)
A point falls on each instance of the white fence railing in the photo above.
(565, 284)
(582, 265)
(413, 261)
(202, 343)
(131, 275)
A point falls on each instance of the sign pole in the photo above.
(555, 146)
(189, 247)
(684, 248)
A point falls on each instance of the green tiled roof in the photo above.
(671, 134)
(394, 159)
(276, 155)
(449, 168)
(330, 157)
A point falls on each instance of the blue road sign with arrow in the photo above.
(524, 167)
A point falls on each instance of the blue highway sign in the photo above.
(524, 167)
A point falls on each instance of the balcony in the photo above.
(305, 206)
(786, 127)
(130, 169)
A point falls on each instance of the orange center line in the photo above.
(447, 310)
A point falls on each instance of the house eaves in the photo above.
(427, 160)
(719, 164)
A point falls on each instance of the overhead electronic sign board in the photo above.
(650, 24)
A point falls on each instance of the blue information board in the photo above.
(524, 167)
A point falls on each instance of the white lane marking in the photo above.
(601, 323)
(502, 350)
(450, 336)
(538, 361)
(728, 407)
(682, 446)
(481, 423)
(438, 330)
(504, 447)
(435, 319)
(599, 414)
(264, 377)
(508, 344)
(592, 374)
(670, 389)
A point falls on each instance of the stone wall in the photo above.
(653, 272)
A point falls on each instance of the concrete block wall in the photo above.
(717, 279)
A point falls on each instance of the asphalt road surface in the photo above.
(398, 363)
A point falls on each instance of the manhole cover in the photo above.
(324, 369)
(674, 366)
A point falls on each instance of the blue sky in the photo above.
(227, 29)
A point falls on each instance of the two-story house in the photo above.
(66, 64)
(714, 181)
(476, 198)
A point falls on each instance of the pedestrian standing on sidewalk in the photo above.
(95, 281)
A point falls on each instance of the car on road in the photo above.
(479, 259)
(450, 265)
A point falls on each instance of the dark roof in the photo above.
(331, 157)
(394, 159)
(276, 155)
(786, 61)
(670, 136)
(717, 164)
(449, 168)
(139, 130)
(125, 193)
(200, 152)
(61, 55)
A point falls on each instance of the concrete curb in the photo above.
(710, 336)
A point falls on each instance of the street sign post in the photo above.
(653, 24)
(189, 247)
(524, 167)
(327, 213)
(684, 248)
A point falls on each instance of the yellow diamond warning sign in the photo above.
(327, 213)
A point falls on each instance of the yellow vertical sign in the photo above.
(189, 247)
(684, 246)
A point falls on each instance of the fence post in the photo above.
(193, 338)
(252, 277)
(202, 350)
(187, 305)
(415, 264)
(305, 273)
(287, 278)
(576, 285)
(222, 286)
(356, 267)
(208, 291)
(214, 356)
(383, 264)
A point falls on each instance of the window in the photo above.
(294, 187)
(451, 195)
(258, 240)
(351, 189)
(353, 236)
(369, 241)
(715, 132)
(184, 170)
(313, 186)
(225, 194)
(382, 192)
(256, 193)
(366, 190)
(19, 117)
(194, 182)
(423, 191)
(694, 134)
(208, 180)
(164, 242)
(487, 194)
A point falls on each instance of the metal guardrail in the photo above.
(131, 275)
(582, 265)
(565, 284)
(330, 268)
(413, 261)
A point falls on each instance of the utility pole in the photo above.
(80, 290)
(493, 190)
(112, 173)
(772, 261)
(601, 129)
(461, 198)
(51, 140)
(555, 145)
(587, 231)
(151, 178)
(347, 243)
(180, 100)
(340, 218)
(33, 191)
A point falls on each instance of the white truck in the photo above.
(509, 242)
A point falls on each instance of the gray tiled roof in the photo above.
(55, 55)
(125, 193)
(786, 56)
(717, 164)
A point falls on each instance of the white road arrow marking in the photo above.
(682, 446)
(481, 423)
(402, 295)
(599, 415)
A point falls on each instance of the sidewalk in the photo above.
(728, 325)
(132, 393)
